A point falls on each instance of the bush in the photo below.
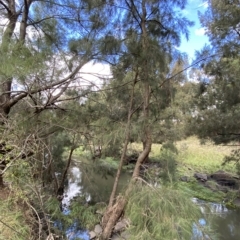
(167, 161)
(160, 213)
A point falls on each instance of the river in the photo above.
(96, 188)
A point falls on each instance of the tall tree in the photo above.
(150, 30)
(43, 47)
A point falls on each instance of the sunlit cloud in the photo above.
(200, 31)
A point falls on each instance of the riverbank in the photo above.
(199, 175)
(189, 168)
(201, 169)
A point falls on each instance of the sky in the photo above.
(197, 39)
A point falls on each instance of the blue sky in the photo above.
(197, 39)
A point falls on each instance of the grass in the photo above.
(195, 157)
(206, 158)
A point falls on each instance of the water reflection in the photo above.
(225, 223)
(96, 188)
(72, 190)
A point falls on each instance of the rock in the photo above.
(121, 225)
(92, 235)
(224, 179)
(52, 236)
(184, 179)
(100, 212)
(212, 185)
(125, 235)
(222, 188)
(98, 229)
(116, 237)
(201, 177)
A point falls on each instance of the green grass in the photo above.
(199, 191)
(206, 158)
(195, 157)
(198, 157)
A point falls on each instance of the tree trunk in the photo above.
(147, 138)
(147, 157)
(113, 213)
(143, 155)
(60, 189)
(127, 137)
(2, 167)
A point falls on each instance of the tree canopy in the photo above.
(218, 103)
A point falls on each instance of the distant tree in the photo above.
(218, 99)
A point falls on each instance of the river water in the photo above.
(225, 223)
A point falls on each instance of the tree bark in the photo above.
(2, 167)
(113, 215)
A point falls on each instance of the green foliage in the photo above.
(216, 113)
(80, 212)
(167, 160)
(13, 224)
(85, 215)
(160, 213)
(59, 142)
(13, 65)
(199, 191)
(221, 20)
(52, 206)
(108, 163)
(235, 158)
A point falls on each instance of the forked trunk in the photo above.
(114, 213)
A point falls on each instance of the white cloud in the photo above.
(200, 31)
(95, 73)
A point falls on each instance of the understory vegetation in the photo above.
(170, 198)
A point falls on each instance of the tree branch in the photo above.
(15, 100)
(5, 6)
